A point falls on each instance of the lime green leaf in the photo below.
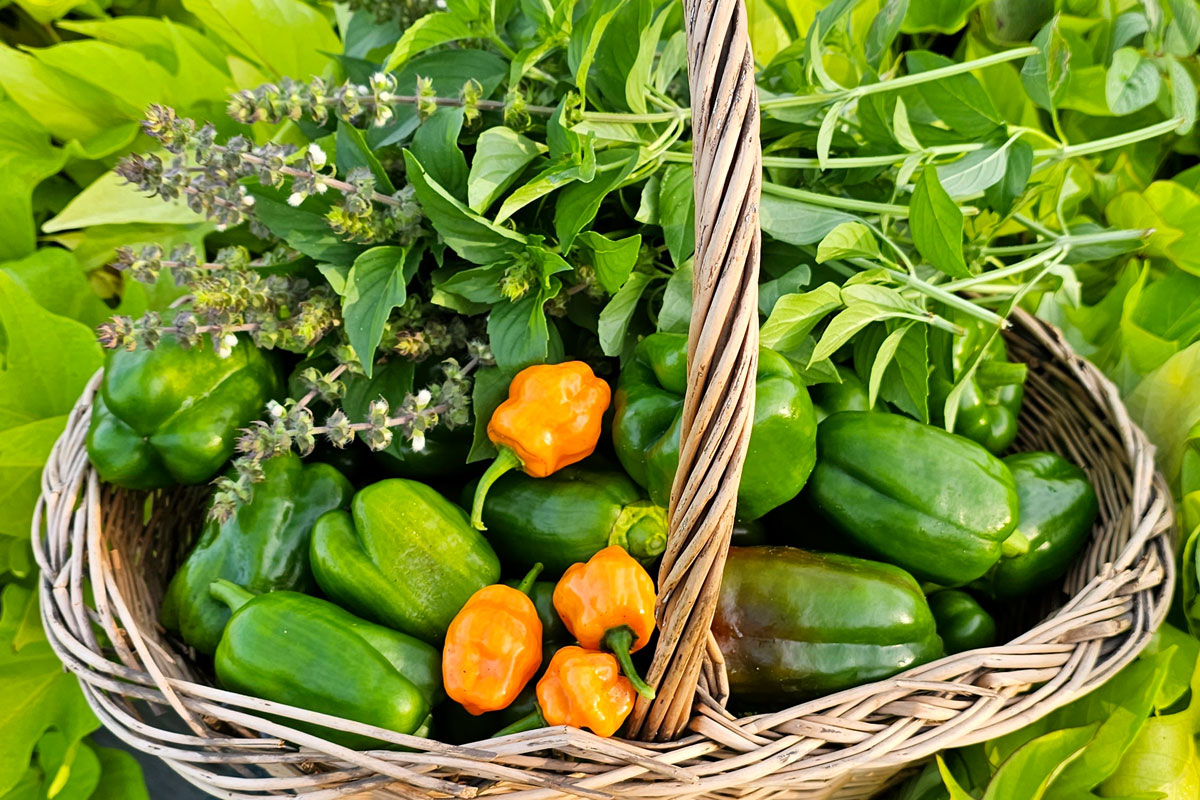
(68, 108)
(1045, 75)
(1161, 762)
(132, 79)
(1166, 404)
(120, 776)
(27, 157)
(795, 315)
(937, 225)
(677, 212)
(675, 314)
(848, 240)
(941, 16)
(109, 200)
(254, 29)
(1033, 767)
(614, 318)
(1172, 211)
(500, 156)
(578, 203)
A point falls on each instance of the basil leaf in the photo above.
(937, 225)
(500, 155)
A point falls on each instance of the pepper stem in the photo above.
(229, 593)
(526, 584)
(530, 722)
(618, 641)
(506, 459)
(1015, 545)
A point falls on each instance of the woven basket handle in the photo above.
(718, 408)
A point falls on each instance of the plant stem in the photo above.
(1070, 240)
(1054, 251)
(832, 201)
(939, 293)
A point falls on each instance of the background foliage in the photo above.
(1084, 139)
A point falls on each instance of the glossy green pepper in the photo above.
(1058, 508)
(445, 450)
(404, 556)
(172, 415)
(936, 504)
(306, 652)
(849, 395)
(794, 624)
(991, 400)
(263, 547)
(962, 623)
(568, 517)
(648, 414)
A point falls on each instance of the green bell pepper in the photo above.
(404, 556)
(568, 517)
(648, 410)
(915, 496)
(445, 450)
(849, 395)
(962, 623)
(306, 652)
(991, 400)
(1058, 507)
(794, 625)
(171, 415)
(263, 547)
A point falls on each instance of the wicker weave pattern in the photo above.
(91, 541)
(846, 745)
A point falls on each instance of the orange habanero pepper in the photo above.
(608, 603)
(493, 647)
(581, 688)
(551, 419)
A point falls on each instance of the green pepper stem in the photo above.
(526, 584)
(1015, 545)
(229, 593)
(618, 641)
(530, 722)
(506, 460)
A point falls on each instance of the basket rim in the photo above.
(1134, 587)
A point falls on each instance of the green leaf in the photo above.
(848, 240)
(489, 391)
(353, 151)
(435, 144)
(902, 130)
(478, 284)
(71, 766)
(1183, 97)
(133, 80)
(1183, 32)
(797, 222)
(431, 30)
(109, 200)
(303, 227)
(675, 314)
(614, 318)
(1172, 211)
(120, 776)
(27, 157)
(578, 203)
(846, 324)
(941, 16)
(795, 316)
(884, 29)
(883, 359)
(254, 29)
(958, 100)
(613, 260)
(555, 176)
(937, 225)
(1045, 75)
(1019, 166)
(501, 154)
(677, 212)
(375, 285)
(585, 39)
(791, 282)
(957, 792)
(55, 281)
(974, 172)
(1132, 82)
(468, 234)
(1164, 404)
(637, 80)
(519, 332)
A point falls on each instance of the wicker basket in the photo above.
(93, 542)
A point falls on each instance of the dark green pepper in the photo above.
(1058, 508)
(991, 399)
(302, 651)
(408, 558)
(962, 623)
(263, 547)
(849, 395)
(444, 451)
(648, 413)
(794, 625)
(568, 517)
(172, 415)
(914, 495)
